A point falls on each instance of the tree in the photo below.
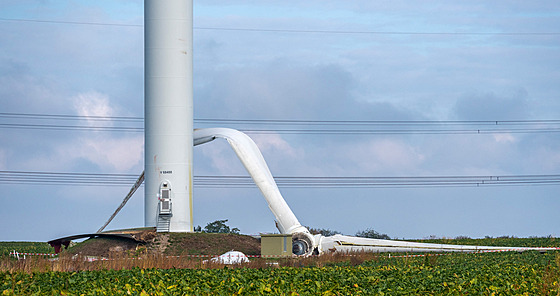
(219, 226)
(370, 233)
(323, 231)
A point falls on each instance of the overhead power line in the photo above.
(59, 178)
(205, 181)
(39, 116)
(376, 122)
(71, 127)
(398, 132)
(385, 182)
(69, 22)
(288, 126)
(9, 115)
(442, 131)
(299, 31)
(367, 32)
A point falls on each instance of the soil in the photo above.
(211, 244)
(171, 244)
(102, 247)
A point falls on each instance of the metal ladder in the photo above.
(163, 223)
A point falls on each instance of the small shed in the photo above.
(279, 245)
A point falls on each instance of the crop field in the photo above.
(502, 273)
(24, 247)
(506, 273)
(504, 241)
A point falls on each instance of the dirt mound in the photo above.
(211, 244)
(172, 244)
(103, 246)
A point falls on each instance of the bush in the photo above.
(323, 231)
(219, 226)
(370, 233)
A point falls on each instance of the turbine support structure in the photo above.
(168, 112)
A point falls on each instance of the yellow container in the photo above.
(279, 245)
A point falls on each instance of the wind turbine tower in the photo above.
(168, 114)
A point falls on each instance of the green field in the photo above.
(24, 247)
(501, 241)
(505, 273)
(508, 273)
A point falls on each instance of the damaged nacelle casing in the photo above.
(303, 243)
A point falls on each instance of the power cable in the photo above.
(71, 179)
(69, 117)
(288, 121)
(347, 32)
(360, 127)
(70, 127)
(354, 32)
(206, 181)
(69, 22)
(296, 131)
(376, 122)
(398, 132)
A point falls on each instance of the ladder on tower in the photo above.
(163, 223)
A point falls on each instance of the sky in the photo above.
(451, 64)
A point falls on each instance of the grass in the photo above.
(505, 241)
(24, 247)
(211, 244)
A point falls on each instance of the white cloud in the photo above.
(275, 145)
(104, 149)
(120, 154)
(385, 156)
(108, 152)
(93, 104)
(219, 155)
(505, 138)
(100, 153)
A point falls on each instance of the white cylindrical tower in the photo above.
(168, 110)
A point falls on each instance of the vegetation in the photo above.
(370, 233)
(142, 272)
(219, 226)
(528, 273)
(323, 231)
(211, 244)
(24, 247)
(503, 241)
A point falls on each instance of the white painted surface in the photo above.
(231, 257)
(168, 108)
(343, 243)
(252, 159)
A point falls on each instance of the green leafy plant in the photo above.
(219, 226)
(370, 233)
